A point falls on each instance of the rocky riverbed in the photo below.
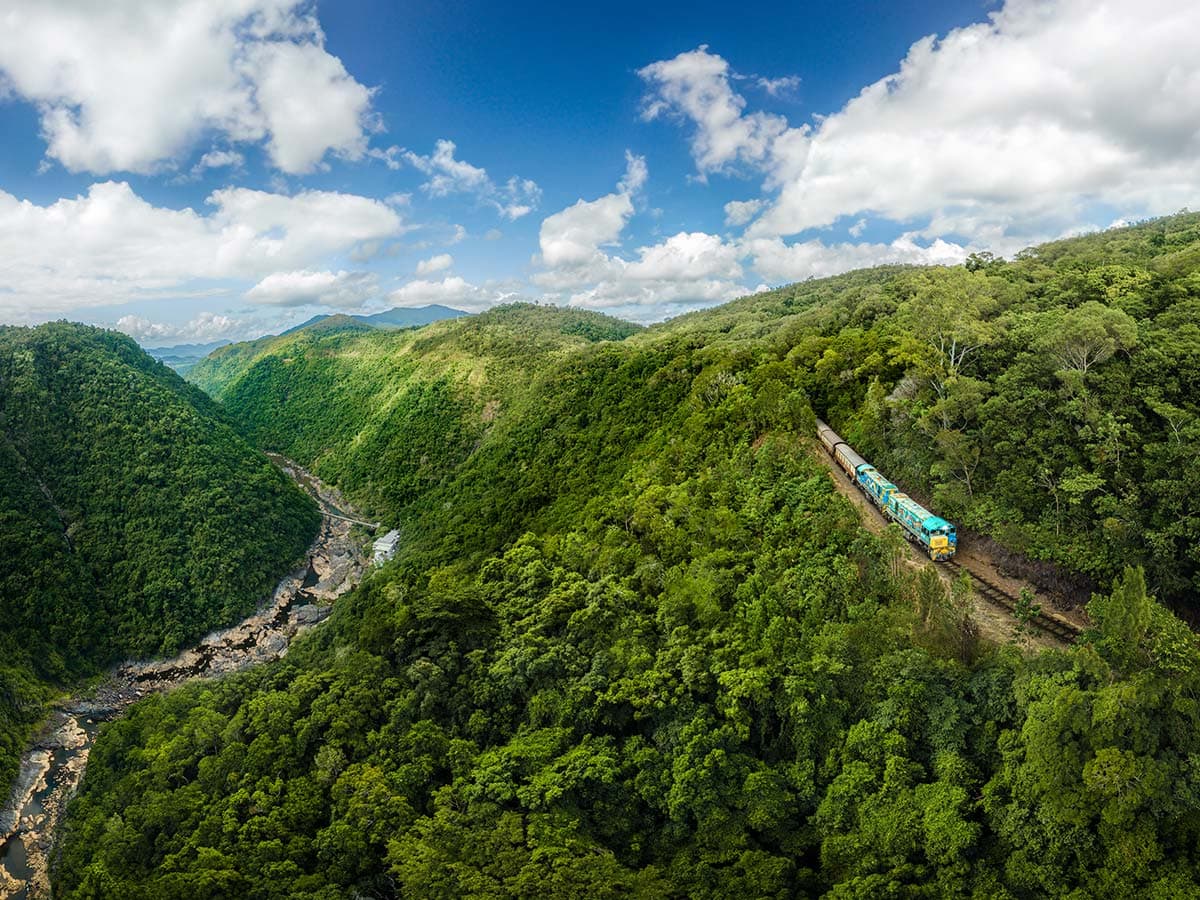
(53, 766)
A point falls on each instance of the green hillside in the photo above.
(132, 517)
(388, 414)
(1049, 401)
(634, 644)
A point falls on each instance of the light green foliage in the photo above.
(1026, 611)
(1088, 335)
(388, 414)
(1123, 617)
(950, 314)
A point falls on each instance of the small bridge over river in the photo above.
(334, 515)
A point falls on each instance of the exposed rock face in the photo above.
(310, 614)
(52, 769)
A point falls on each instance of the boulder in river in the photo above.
(310, 614)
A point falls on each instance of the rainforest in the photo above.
(634, 642)
(133, 516)
(601, 450)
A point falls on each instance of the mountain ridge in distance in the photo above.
(396, 317)
(183, 357)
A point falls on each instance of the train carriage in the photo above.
(842, 453)
(878, 488)
(937, 536)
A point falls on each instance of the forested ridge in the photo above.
(1049, 400)
(635, 644)
(387, 415)
(133, 518)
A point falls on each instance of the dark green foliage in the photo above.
(1050, 401)
(616, 707)
(635, 645)
(132, 517)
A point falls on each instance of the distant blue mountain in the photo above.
(185, 349)
(399, 317)
(182, 357)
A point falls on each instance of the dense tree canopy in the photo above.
(132, 516)
(1049, 401)
(635, 644)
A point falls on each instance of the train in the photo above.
(934, 534)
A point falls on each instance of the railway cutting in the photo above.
(925, 530)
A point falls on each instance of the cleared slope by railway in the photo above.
(935, 538)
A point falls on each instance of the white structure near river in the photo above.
(385, 547)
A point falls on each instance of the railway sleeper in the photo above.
(1000, 597)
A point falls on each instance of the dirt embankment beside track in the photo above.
(996, 623)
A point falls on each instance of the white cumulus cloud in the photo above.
(204, 328)
(998, 131)
(110, 245)
(581, 265)
(778, 262)
(219, 159)
(739, 212)
(779, 87)
(651, 301)
(438, 263)
(696, 85)
(447, 174)
(452, 291)
(572, 238)
(684, 257)
(338, 290)
(133, 85)
(636, 174)
(310, 104)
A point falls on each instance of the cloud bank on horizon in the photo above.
(219, 172)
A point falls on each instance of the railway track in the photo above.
(1064, 631)
(846, 461)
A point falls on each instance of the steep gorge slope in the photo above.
(132, 516)
(634, 643)
(387, 415)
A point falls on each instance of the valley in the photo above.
(50, 771)
(635, 639)
(623, 452)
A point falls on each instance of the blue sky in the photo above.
(207, 169)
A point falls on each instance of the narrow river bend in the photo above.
(53, 766)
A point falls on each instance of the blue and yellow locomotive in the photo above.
(933, 533)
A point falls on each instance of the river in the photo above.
(53, 766)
